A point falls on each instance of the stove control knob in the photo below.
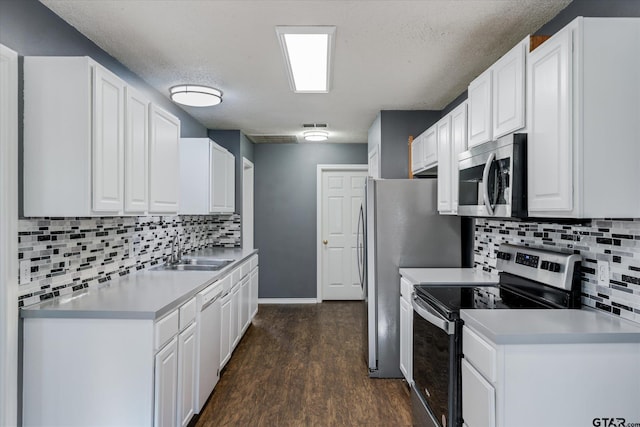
(554, 266)
(544, 265)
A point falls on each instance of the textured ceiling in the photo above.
(393, 55)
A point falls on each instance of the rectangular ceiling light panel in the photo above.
(307, 52)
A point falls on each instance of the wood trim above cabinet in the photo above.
(535, 41)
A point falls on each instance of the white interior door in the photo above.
(342, 195)
(247, 203)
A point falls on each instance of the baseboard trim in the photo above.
(287, 300)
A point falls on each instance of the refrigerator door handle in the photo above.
(359, 244)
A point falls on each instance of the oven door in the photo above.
(436, 353)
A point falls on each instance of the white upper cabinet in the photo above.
(86, 143)
(417, 147)
(430, 148)
(445, 167)
(458, 145)
(222, 180)
(207, 177)
(584, 121)
(508, 91)
(108, 141)
(136, 149)
(479, 99)
(497, 97)
(164, 165)
(549, 144)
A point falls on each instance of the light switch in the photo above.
(25, 271)
(603, 273)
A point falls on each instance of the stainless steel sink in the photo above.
(195, 264)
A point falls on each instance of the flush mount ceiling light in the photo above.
(307, 52)
(196, 96)
(316, 135)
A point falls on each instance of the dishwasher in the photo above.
(208, 324)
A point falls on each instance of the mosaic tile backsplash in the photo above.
(68, 254)
(615, 241)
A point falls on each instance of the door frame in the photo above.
(9, 237)
(320, 170)
(247, 164)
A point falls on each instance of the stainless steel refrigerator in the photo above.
(399, 227)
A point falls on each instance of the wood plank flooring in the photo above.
(303, 365)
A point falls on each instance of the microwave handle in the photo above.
(485, 183)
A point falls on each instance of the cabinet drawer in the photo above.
(479, 353)
(253, 262)
(235, 276)
(406, 289)
(478, 398)
(166, 328)
(187, 313)
(245, 269)
(227, 282)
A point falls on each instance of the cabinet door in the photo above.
(444, 164)
(416, 154)
(218, 177)
(225, 330)
(430, 147)
(166, 385)
(406, 336)
(194, 176)
(508, 91)
(550, 143)
(478, 398)
(164, 164)
(374, 163)
(254, 293)
(136, 152)
(186, 375)
(479, 99)
(245, 305)
(459, 144)
(108, 141)
(230, 191)
(235, 317)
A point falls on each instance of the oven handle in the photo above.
(431, 316)
(485, 183)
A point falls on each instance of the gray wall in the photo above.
(31, 29)
(285, 212)
(590, 8)
(396, 127)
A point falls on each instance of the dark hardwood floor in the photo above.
(303, 365)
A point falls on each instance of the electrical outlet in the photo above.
(25, 271)
(603, 273)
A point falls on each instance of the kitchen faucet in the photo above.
(175, 258)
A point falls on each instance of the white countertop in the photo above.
(145, 294)
(540, 326)
(448, 276)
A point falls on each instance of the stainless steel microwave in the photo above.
(493, 178)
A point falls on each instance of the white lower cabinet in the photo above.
(186, 374)
(235, 315)
(166, 385)
(245, 289)
(225, 330)
(406, 330)
(254, 292)
(555, 383)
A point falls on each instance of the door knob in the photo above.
(324, 242)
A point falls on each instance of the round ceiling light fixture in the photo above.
(316, 135)
(196, 96)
